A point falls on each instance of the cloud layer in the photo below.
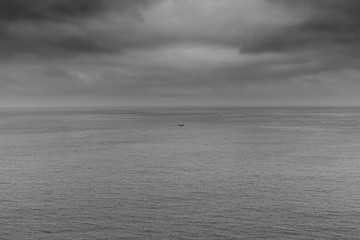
(179, 51)
(325, 23)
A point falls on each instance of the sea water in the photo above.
(122, 173)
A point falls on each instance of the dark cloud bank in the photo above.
(320, 42)
(58, 27)
(37, 10)
(60, 10)
(326, 23)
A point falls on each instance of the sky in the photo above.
(179, 52)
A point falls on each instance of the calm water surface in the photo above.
(252, 173)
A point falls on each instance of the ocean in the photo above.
(133, 173)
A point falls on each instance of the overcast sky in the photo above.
(179, 52)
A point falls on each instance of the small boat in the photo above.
(181, 124)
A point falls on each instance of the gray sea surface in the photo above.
(123, 173)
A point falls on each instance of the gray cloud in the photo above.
(111, 26)
(157, 49)
(16, 10)
(59, 10)
(60, 28)
(325, 23)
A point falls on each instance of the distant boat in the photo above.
(181, 124)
